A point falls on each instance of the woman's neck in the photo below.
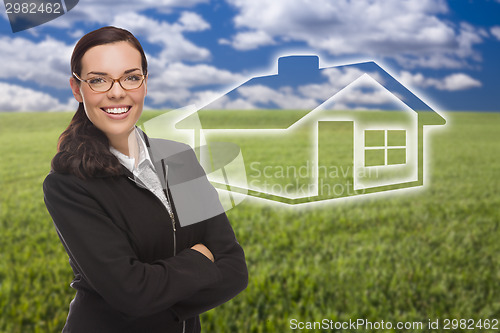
(126, 145)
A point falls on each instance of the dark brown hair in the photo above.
(83, 149)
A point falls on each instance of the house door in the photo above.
(335, 159)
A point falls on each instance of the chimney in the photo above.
(298, 65)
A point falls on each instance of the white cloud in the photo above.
(409, 31)
(24, 56)
(193, 22)
(341, 77)
(452, 82)
(17, 98)
(99, 11)
(187, 76)
(338, 78)
(249, 40)
(173, 97)
(45, 63)
(255, 95)
(495, 31)
(77, 34)
(459, 81)
(172, 82)
(417, 80)
(175, 47)
(359, 97)
(170, 36)
(284, 98)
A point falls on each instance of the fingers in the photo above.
(203, 250)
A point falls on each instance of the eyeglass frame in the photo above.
(112, 83)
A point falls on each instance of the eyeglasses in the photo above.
(105, 83)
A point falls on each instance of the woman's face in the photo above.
(116, 111)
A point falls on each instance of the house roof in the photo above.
(297, 76)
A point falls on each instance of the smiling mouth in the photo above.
(119, 110)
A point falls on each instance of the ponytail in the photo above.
(83, 150)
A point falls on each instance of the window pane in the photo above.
(396, 156)
(396, 138)
(374, 157)
(374, 138)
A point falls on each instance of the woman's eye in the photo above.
(133, 78)
(97, 80)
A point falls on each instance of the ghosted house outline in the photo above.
(397, 158)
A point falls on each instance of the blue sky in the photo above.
(446, 52)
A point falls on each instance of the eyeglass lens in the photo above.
(104, 83)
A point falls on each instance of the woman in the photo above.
(139, 264)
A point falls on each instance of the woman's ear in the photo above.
(75, 88)
(146, 84)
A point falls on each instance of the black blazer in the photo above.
(120, 242)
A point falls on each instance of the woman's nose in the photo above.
(116, 91)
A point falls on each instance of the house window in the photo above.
(385, 147)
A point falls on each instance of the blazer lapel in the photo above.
(163, 153)
(194, 197)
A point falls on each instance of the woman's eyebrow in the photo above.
(131, 70)
(125, 72)
(97, 73)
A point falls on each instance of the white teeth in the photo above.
(116, 110)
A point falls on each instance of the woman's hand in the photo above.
(203, 250)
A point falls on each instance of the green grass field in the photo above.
(420, 254)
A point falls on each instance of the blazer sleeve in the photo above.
(102, 253)
(229, 259)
